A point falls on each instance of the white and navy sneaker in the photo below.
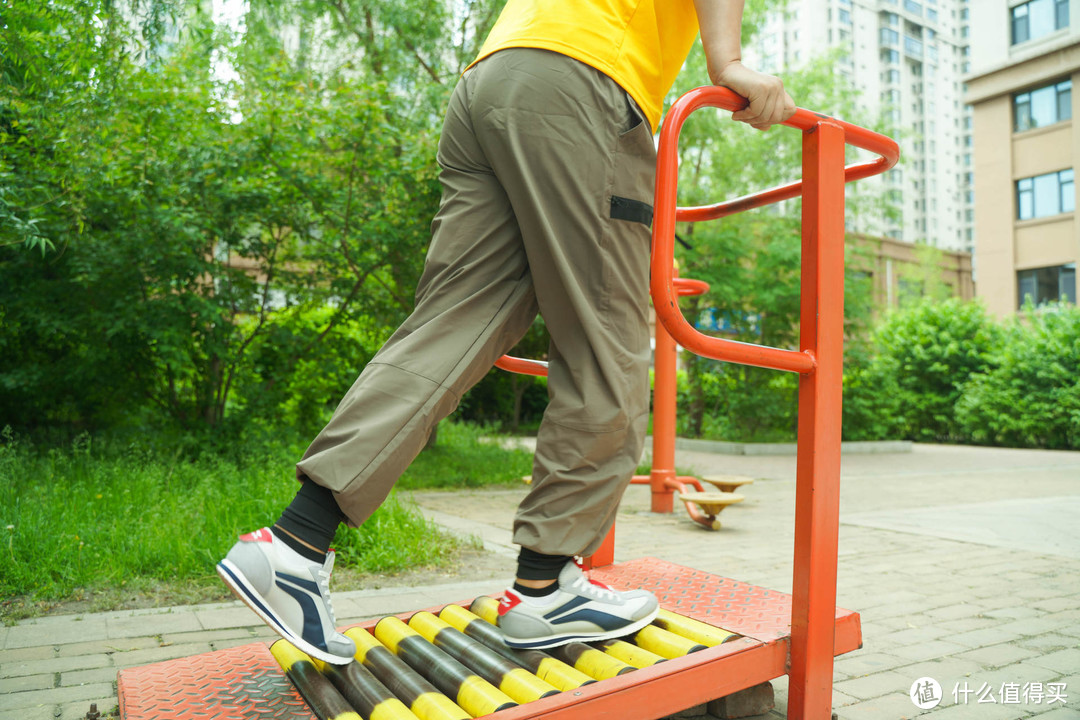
(580, 610)
(289, 592)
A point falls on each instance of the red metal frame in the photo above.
(819, 359)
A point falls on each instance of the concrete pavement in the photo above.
(963, 562)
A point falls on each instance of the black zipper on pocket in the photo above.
(631, 210)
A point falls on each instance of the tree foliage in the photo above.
(161, 220)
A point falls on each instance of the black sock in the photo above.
(536, 592)
(537, 566)
(313, 517)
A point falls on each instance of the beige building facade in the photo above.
(901, 273)
(1025, 60)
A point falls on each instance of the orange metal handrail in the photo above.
(664, 295)
(522, 366)
(819, 360)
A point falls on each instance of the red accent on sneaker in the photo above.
(599, 584)
(508, 602)
(260, 535)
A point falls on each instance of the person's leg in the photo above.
(474, 301)
(577, 161)
(578, 164)
(309, 522)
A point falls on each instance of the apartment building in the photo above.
(1022, 72)
(906, 58)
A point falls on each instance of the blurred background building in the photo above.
(906, 58)
(1020, 86)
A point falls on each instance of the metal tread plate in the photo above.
(240, 683)
(748, 610)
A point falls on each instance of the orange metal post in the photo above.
(663, 457)
(604, 555)
(817, 497)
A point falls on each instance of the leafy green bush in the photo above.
(724, 401)
(1032, 397)
(301, 367)
(872, 408)
(931, 350)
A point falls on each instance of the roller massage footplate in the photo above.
(713, 636)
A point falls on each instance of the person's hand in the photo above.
(769, 104)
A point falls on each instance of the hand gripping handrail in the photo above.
(664, 294)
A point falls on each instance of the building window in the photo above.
(1045, 195)
(1042, 106)
(913, 7)
(890, 57)
(1036, 18)
(1049, 284)
(889, 36)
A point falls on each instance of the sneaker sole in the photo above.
(232, 577)
(551, 641)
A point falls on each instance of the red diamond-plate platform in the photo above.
(246, 683)
(241, 683)
(748, 610)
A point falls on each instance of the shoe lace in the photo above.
(323, 579)
(593, 588)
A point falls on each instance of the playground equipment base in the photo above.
(247, 683)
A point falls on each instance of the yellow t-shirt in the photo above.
(640, 44)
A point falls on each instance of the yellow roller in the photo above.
(363, 691)
(324, 699)
(423, 698)
(664, 643)
(594, 663)
(474, 694)
(629, 653)
(696, 630)
(515, 681)
(487, 608)
(545, 667)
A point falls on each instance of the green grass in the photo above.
(466, 456)
(91, 516)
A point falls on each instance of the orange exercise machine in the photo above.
(763, 633)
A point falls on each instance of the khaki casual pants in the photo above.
(547, 174)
